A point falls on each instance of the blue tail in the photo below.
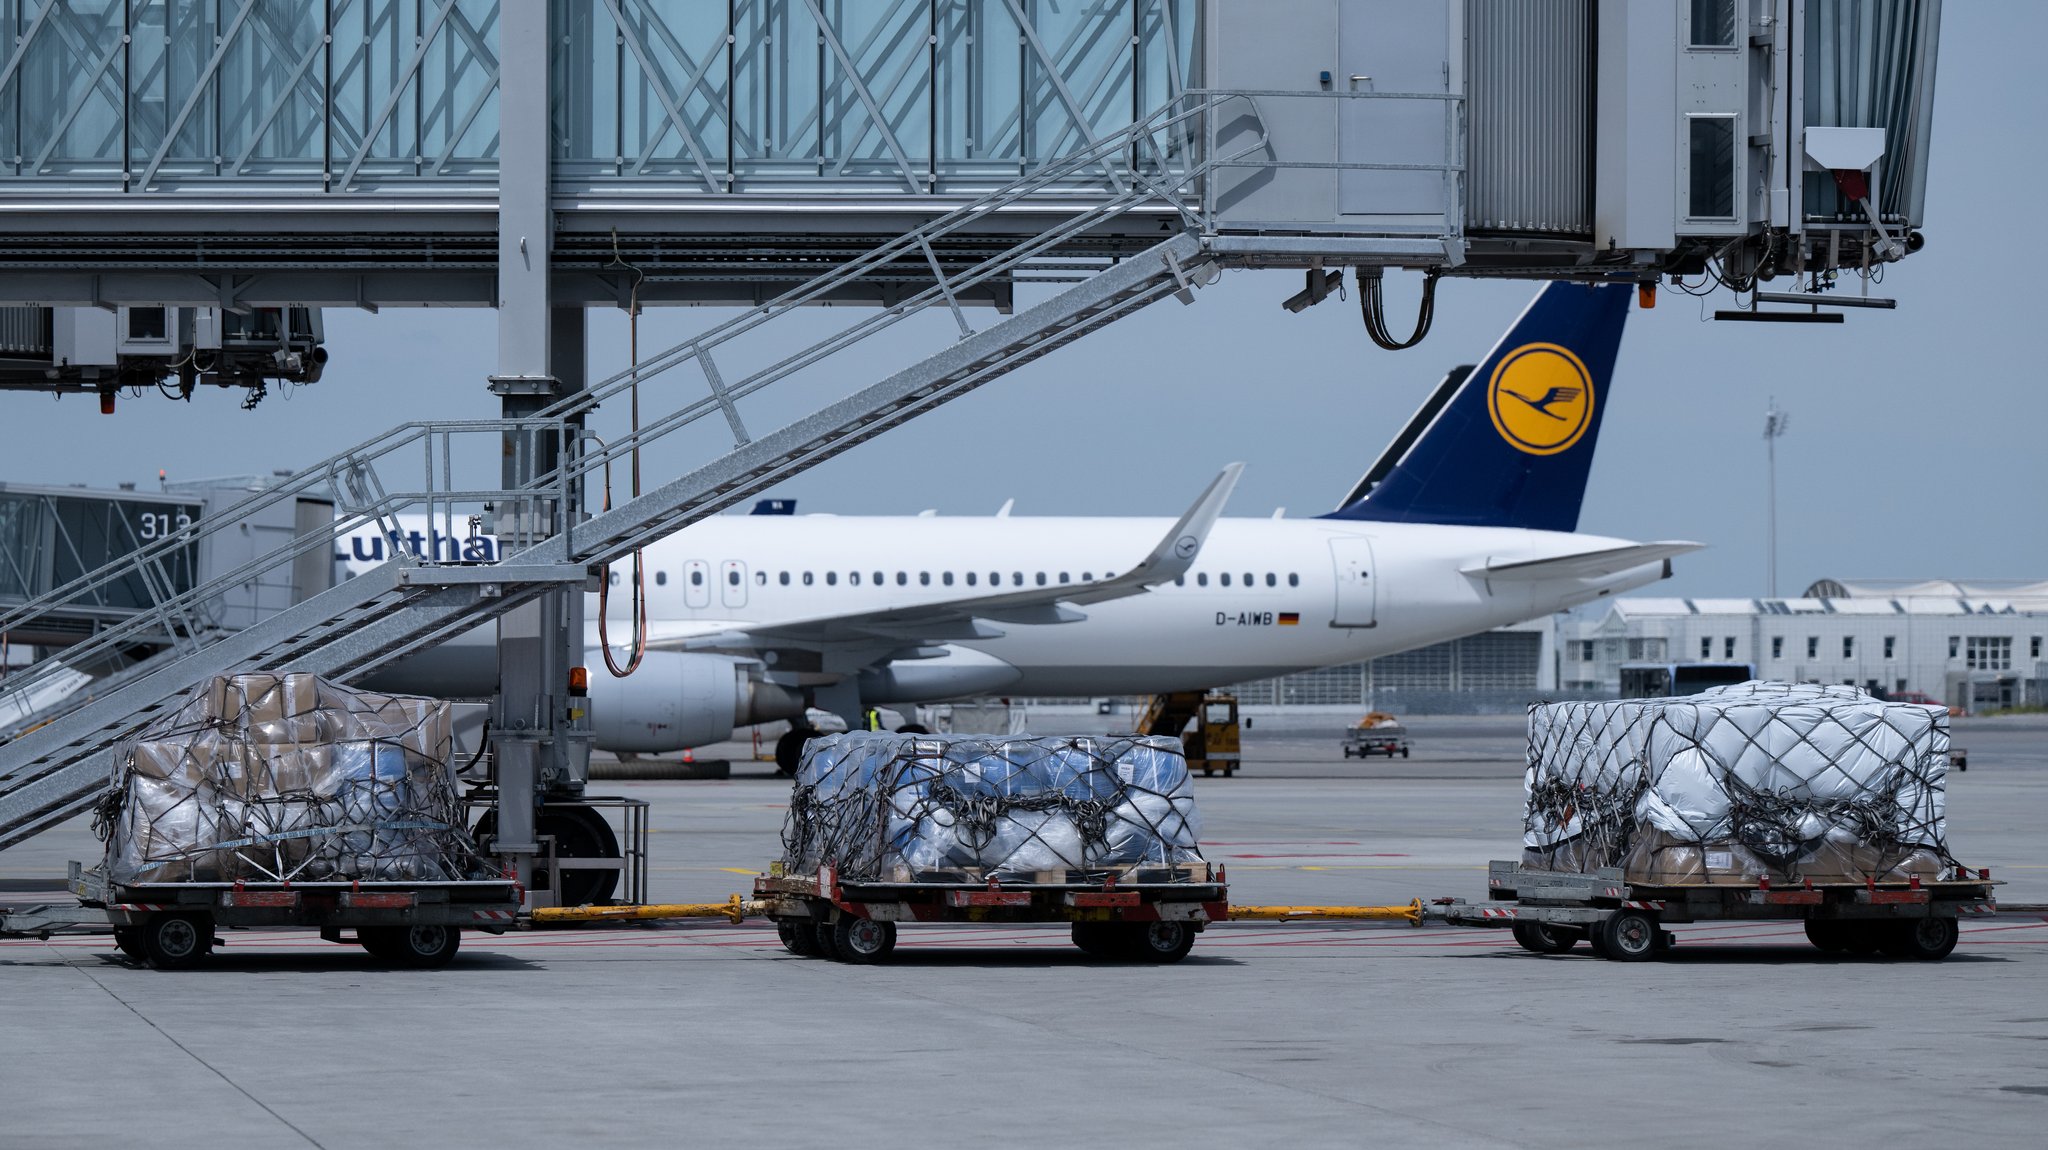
(1508, 444)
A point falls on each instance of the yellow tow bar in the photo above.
(1411, 914)
(735, 908)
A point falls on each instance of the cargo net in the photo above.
(273, 778)
(1787, 781)
(924, 808)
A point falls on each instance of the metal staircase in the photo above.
(54, 770)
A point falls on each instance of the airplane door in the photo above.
(1357, 587)
(696, 583)
(732, 583)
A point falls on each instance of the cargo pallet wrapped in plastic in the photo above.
(952, 808)
(1788, 782)
(276, 778)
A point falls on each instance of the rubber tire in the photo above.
(424, 947)
(799, 936)
(1542, 938)
(579, 832)
(913, 729)
(176, 941)
(1158, 942)
(128, 940)
(1404, 753)
(1862, 937)
(863, 941)
(789, 750)
(828, 940)
(1630, 935)
(1596, 941)
(1347, 752)
(1829, 934)
(1928, 939)
(1097, 940)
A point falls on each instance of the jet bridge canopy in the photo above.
(359, 152)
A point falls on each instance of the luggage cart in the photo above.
(1135, 914)
(1551, 912)
(171, 926)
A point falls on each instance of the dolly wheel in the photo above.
(828, 940)
(799, 937)
(789, 749)
(1830, 935)
(1160, 941)
(863, 940)
(422, 947)
(1097, 939)
(1925, 939)
(176, 941)
(1631, 936)
(128, 940)
(1543, 938)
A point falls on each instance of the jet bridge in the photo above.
(1059, 166)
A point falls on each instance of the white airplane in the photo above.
(1466, 523)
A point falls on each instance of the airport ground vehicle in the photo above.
(1377, 734)
(1137, 914)
(1659, 680)
(1206, 723)
(1550, 912)
(171, 925)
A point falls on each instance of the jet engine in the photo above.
(677, 700)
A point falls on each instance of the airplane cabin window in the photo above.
(970, 578)
(661, 578)
(785, 579)
(1086, 577)
(853, 577)
(831, 578)
(760, 578)
(1041, 578)
(1271, 580)
(1248, 581)
(696, 578)
(1017, 578)
(615, 578)
(1180, 580)
(807, 578)
(1224, 578)
(947, 578)
(732, 578)
(1063, 576)
(924, 578)
(1202, 579)
(995, 578)
(902, 577)
(878, 579)
(1293, 580)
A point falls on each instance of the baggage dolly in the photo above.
(1135, 914)
(1550, 912)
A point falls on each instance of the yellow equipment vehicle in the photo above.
(1205, 722)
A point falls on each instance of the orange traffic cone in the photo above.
(689, 756)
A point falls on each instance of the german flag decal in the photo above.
(1290, 619)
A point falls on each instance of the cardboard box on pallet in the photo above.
(272, 777)
(1791, 782)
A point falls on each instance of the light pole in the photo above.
(1775, 422)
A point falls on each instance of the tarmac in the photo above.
(1335, 1035)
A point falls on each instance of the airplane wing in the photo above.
(970, 617)
(1584, 565)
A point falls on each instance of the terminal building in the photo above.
(1975, 645)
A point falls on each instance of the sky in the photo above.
(1915, 447)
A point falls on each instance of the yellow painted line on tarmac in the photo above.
(740, 870)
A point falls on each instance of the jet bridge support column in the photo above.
(539, 749)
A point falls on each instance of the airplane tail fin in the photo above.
(1509, 443)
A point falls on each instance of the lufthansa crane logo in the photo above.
(1541, 398)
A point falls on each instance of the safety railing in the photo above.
(372, 484)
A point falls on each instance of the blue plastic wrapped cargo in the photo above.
(907, 808)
